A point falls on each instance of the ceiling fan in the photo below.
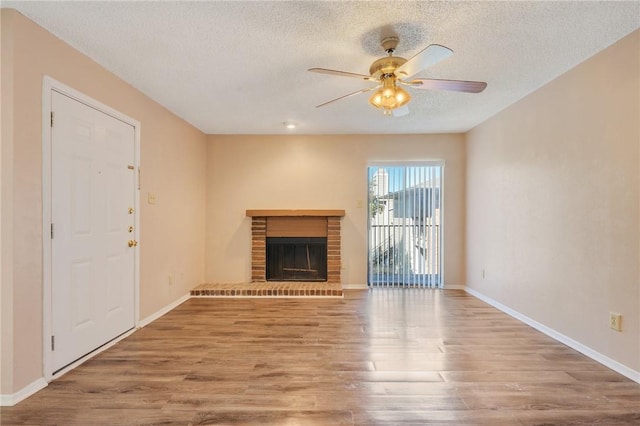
(392, 72)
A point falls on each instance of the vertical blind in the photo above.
(405, 225)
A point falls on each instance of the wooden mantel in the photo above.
(295, 213)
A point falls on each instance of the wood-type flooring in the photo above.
(376, 357)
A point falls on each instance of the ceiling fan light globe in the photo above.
(376, 99)
(386, 102)
(389, 103)
(390, 97)
(402, 97)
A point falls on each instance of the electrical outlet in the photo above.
(615, 321)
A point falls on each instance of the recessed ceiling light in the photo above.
(289, 125)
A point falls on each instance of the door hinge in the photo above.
(53, 343)
(52, 118)
(52, 231)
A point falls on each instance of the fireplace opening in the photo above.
(296, 259)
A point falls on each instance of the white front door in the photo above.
(92, 215)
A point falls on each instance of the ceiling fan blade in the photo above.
(454, 85)
(401, 111)
(340, 73)
(347, 96)
(429, 56)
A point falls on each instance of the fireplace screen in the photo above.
(296, 259)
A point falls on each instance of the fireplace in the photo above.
(295, 245)
(296, 259)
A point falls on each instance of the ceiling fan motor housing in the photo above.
(386, 65)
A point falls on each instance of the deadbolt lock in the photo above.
(133, 243)
(130, 210)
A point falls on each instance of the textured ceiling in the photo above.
(241, 67)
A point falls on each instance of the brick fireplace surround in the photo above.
(259, 220)
(259, 287)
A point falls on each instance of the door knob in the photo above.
(133, 243)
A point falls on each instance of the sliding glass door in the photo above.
(405, 225)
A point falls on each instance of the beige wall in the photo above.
(306, 172)
(553, 203)
(173, 165)
(6, 211)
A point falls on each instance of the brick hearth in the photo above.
(269, 289)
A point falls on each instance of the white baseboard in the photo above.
(585, 350)
(171, 306)
(24, 393)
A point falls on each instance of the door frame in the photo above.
(50, 85)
